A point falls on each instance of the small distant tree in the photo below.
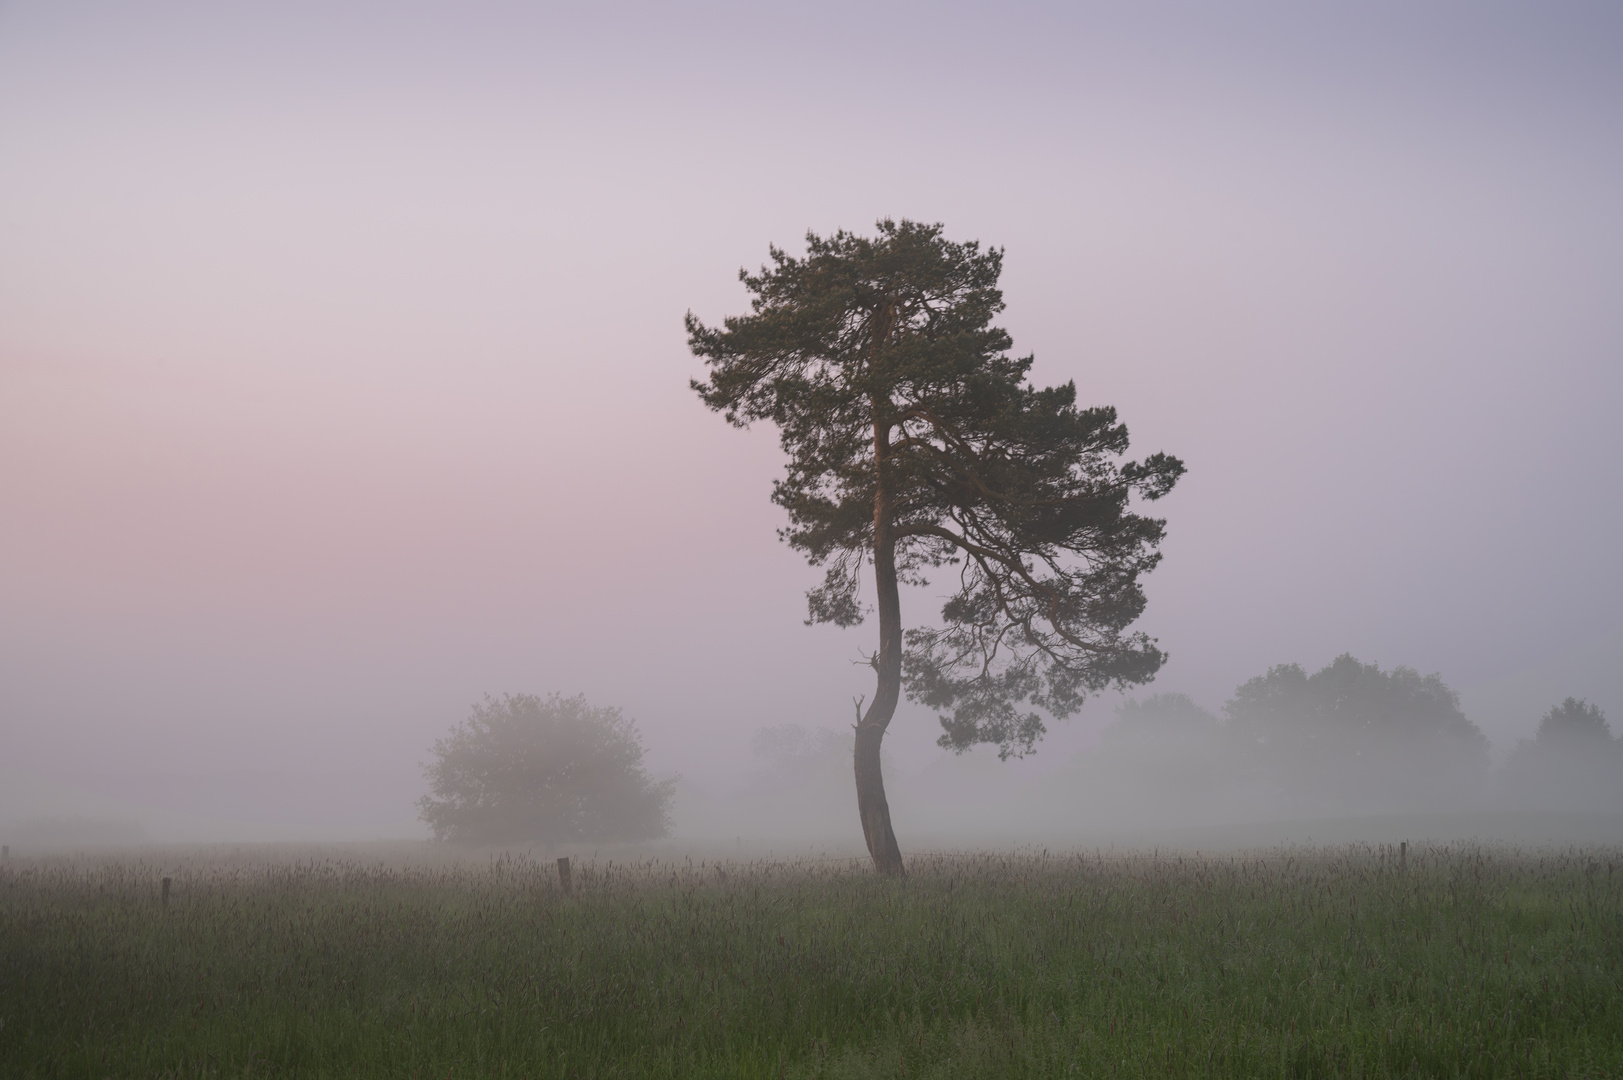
(797, 786)
(1161, 763)
(1161, 718)
(523, 769)
(1574, 723)
(915, 443)
(1572, 763)
(788, 749)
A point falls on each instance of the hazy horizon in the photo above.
(343, 380)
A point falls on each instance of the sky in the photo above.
(343, 379)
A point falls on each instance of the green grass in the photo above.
(1466, 962)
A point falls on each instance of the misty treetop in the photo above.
(1572, 763)
(1159, 719)
(1351, 734)
(1352, 704)
(792, 748)
(916, 444)
(1574, 722)
(524, 770)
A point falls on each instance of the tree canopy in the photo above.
(1351, 701)
(1351, 732)
(524, 769)
(915, 444)
(1574, 722)
(1572, 763)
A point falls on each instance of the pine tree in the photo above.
(916, 444)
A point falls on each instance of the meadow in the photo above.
(1455, 960)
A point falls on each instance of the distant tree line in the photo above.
(1350, 739)
(1347, 740)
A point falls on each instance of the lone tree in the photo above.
(525, 770)
(1572, 764)
(1574, 723)
(916, 443)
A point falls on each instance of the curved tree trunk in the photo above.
(887, 662)
(871, 802)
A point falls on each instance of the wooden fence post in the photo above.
(563, 875)
(1403, 855)
(165, 902)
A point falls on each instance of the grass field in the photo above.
(1462, 961)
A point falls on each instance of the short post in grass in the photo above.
(563, 875)
(1403, 855)
(164, 903)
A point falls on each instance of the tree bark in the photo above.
(871, 802)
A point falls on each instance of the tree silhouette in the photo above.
(1353, 736)
(1572, 763)
(1574, 723)
(915, 444)
(525, 770)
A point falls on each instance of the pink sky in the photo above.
(342, 377)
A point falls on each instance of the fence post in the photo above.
(1403, 855)
(563, 875)
(165, 902)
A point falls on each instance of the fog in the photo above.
(343, 381)
(1292, 757)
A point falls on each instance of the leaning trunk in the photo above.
(871, 802)
(887, 662)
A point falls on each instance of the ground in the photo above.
(1454, 960)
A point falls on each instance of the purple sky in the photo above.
(342, 377)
